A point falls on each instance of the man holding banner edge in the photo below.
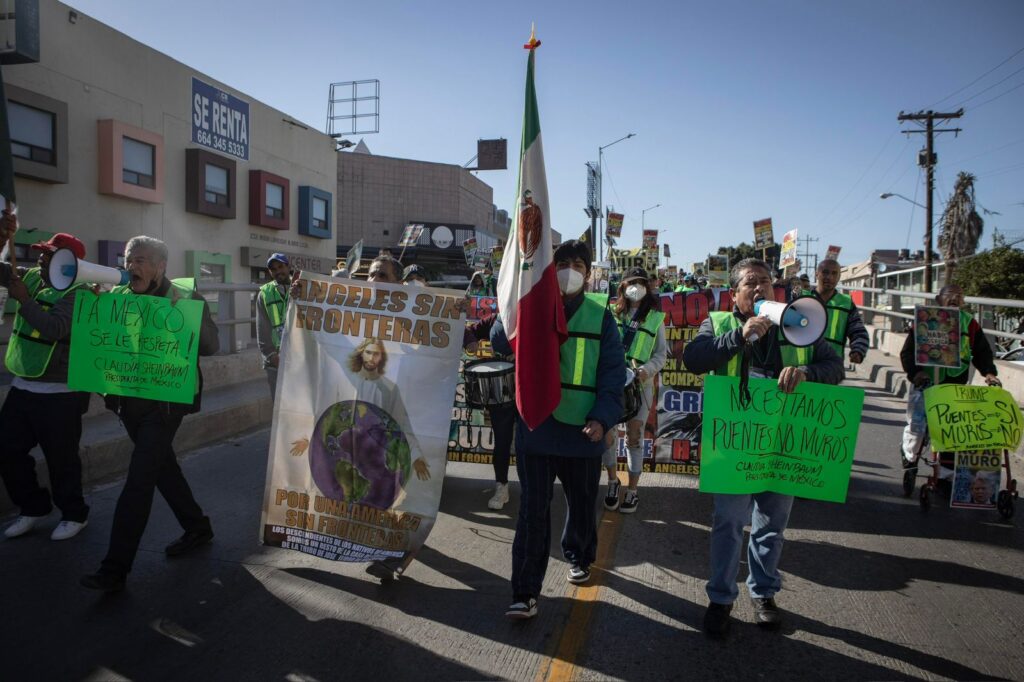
(727, 344)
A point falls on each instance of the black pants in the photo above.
(54, 422)
(153, 467)
(581, 478)
(503, 423)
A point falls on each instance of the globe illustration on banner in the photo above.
(358, 454)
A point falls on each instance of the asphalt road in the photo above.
(874, 589)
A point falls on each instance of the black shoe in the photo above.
(104, 582)
(717, 620)
(189, 541)
(766, 613)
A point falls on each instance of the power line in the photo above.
(850, 217)
(982, 92)
(956, 92)
(871, 165)
(988, 151)
(1019, 85)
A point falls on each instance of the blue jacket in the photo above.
(553, 437)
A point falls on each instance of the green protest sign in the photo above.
(136, 346)
(800, 443)
(965, 418)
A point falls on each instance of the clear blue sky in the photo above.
(742, 110)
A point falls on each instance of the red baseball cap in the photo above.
(62, 240)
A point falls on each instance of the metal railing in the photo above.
(872, 305)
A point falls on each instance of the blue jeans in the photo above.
(767, 525)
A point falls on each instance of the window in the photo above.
(319, 213)
(275, 200)
(32, 133)
(268, 200)
(315, 207)
(216, 185)
(138, 163)
(130, 160)
(209, 184)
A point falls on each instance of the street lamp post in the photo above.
(600, 189)
(927, 233)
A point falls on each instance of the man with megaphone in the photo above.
(40, 409)
(151, 425)
(759, 338)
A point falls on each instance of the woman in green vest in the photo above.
(642, 327)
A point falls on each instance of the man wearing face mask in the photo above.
(568, 445)
(271, 303)
(40, 409)
(643, 339)
(725, 343)
(151, 425)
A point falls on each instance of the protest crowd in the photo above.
(570, 362)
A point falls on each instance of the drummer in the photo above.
(642, 328)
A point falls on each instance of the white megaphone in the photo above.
(802, 321)
(66, 270)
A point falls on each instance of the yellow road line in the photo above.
(562, 664)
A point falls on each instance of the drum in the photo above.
(632, 396)
(490, 383)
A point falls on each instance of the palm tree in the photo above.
(961, 225)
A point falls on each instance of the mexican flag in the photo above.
(528, 295)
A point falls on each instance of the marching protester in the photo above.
(732, 344)
(503, 417)
(151, 425)
(569, 444)
(40, 409)
(271, 303)
(643, 338)
(415, 275)
(689, 284)
(385, 268)
(477, 286)
(844, 321)
(974, 349)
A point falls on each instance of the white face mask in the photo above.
(569, 281)
(636, 292)
(414, 283)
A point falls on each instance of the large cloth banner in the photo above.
(801, 443)
(135, 346)
(357, 446)
(967, 418)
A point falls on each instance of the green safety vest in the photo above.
(274, 303)
(642, 346)
(578, 365)
(684, 289)
(792, 356)
(28, 353)
(838, 310)
(965, 349)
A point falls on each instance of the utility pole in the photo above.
(927, 159)
(807, 251)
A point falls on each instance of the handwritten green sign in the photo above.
(967, 418)
(136, 346)
(800, 443)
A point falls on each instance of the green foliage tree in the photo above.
(998, 273)
(745, 250)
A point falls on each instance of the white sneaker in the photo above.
(22, 525)
(500, 497)
(66, 530)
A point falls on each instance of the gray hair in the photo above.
(150, 244)
(746, 264)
